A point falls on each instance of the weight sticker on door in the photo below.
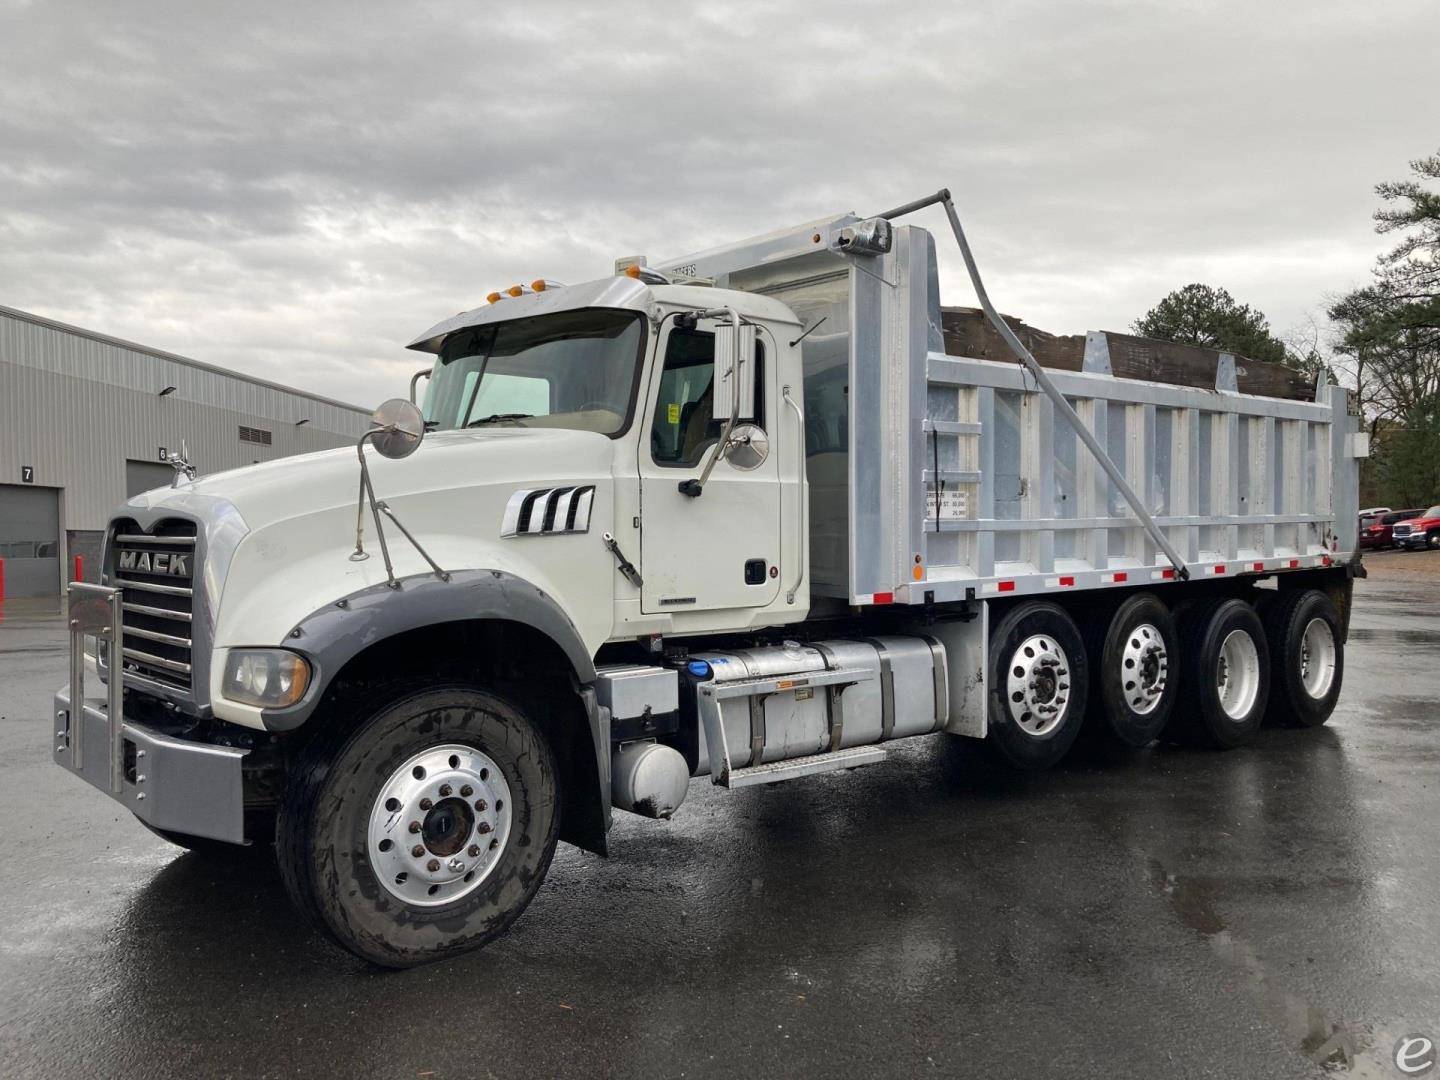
(951, 506)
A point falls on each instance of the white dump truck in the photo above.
(739, 515)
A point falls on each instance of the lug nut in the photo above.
(473, 850)
(466, 791)
(414, 826)
(444, 790)
(433, 865)
(483, 828)
(426, 804)
(418, 850)
(480, 805)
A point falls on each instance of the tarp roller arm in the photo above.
(1023, 354)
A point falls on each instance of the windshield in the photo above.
(1434, 511)
(573, 369)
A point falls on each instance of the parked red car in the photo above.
(1378, 530)
(1418, 532)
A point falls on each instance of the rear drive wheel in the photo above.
(1038, 684)
(1307, 658)
(1132, 672)
(423, 832)
(1225, 672)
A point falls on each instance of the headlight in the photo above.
(267, 678)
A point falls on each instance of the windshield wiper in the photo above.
(497, 417)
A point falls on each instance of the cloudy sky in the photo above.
(296, 190)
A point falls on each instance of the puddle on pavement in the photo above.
(1333, 1045)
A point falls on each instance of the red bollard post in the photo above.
(79, 568)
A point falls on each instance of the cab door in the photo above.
(720, 549)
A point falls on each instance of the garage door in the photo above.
(144, 475)
(30, 540)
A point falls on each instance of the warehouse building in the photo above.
(86, 421)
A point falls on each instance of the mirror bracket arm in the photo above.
(694, 487)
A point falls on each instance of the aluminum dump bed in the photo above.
(937, 477)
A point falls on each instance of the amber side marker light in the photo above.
(493, 298)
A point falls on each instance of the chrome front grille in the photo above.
(154, 572)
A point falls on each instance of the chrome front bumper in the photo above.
(187, 787)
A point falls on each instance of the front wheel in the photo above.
(423, 832)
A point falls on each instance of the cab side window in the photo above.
(686, 424)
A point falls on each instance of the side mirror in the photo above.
(396, 429)
(728, 358)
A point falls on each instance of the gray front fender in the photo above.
(335, 634)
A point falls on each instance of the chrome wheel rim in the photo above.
(1037, 685)
(1317, 658)
(439, 825)
(1144, 668)
(1237, 676)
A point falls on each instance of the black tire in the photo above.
(1432, 539)
(323, 838)
(1200, 716)
(1065, 680)
(1286, 626)
(1134, 695)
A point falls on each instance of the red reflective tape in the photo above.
(1168, 574)
(1005, 586)
(884, 598)
(1067, 581)
(1294, 563)
(1325, 561)
(1219, 569)
(1122, 577)
(1259, 566)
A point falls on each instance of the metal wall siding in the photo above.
(76, 409)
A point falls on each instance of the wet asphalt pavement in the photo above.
(1159, 913)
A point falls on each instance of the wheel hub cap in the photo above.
(1317, 658)
(1238, 674)
(1144, 668)
(1037, 685)
(439, 825)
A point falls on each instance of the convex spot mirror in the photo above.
(749, 447)
(396, 428)
(742, 388)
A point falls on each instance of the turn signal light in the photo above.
(493, 298)
(633, 270)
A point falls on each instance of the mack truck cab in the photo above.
(740, 516)
(419, 718)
